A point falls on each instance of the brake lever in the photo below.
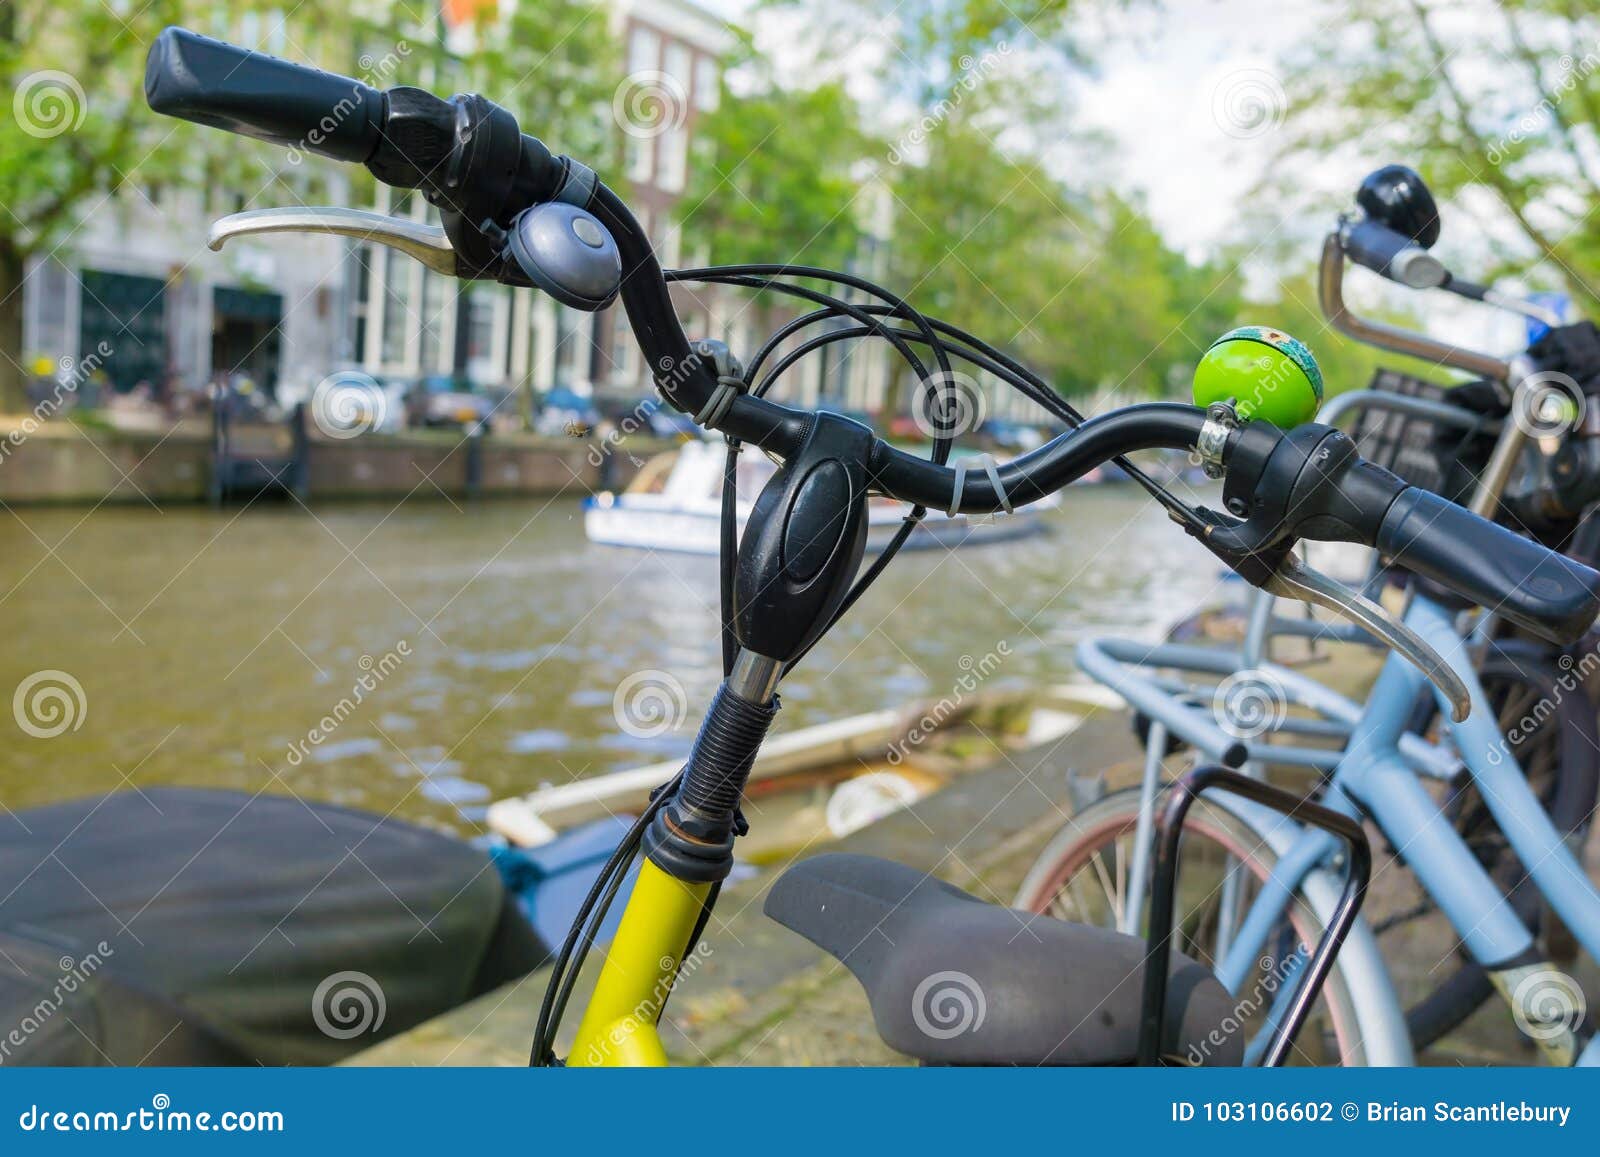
(1293, 579)
(429, 244)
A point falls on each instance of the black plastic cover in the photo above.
(193, 927)
(1525, 583)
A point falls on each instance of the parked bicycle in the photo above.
(1060, 992)
(1533, 749)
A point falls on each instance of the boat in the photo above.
(807, 787)
(674, 504)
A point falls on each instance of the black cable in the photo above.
(561, 979)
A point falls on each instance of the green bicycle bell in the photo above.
(1264, 372)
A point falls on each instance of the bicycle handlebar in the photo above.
(472, 160)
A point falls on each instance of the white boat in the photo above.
(675, 504)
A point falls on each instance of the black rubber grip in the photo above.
(1375, 246)
(206, 81)
(1527, 584)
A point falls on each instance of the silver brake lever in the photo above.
(1295, 580)
(427, 243)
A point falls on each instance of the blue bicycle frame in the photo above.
(1378, 775)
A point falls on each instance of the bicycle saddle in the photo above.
(956, 981)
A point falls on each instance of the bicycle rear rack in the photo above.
(1163, 892)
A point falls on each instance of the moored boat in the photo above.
(675, 504)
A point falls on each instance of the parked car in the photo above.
(445, 400)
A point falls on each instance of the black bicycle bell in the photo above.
(1396, 196)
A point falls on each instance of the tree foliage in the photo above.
(776, 176)
(1500, 98)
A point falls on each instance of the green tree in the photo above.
(776, 177)
(1502, 99)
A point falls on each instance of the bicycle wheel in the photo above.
(1558, 749)
(1082, 875)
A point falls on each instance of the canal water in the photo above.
(427, 659)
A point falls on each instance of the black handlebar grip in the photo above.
(206, 81)
(1547, 593)
(1392, 254)
(1373, 245)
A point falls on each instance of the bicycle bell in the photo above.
(1396, 196)
(565, 251)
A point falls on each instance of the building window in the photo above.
(438, 303)
(673, 166)
(707, 84)
(622, 347)
(676, 64)
(639, 158)
(396, 312)
(644, 50)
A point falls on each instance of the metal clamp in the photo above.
(1221, 421)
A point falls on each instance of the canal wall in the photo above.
(68, 462)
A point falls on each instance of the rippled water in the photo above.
(229, 649)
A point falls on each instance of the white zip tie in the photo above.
(992, 469)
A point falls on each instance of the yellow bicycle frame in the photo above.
(618, 1029)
